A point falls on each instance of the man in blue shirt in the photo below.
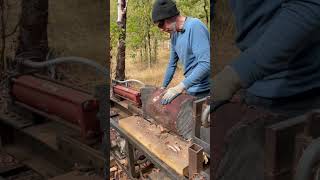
(280, 44)
(279, 69)
(190, 43)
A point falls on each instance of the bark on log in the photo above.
(175, 116)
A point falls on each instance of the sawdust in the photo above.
(162, 135)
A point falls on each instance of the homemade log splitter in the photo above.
(174, 137)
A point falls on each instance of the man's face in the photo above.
(166, 26)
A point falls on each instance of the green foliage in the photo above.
(195, 8)
(139, 22)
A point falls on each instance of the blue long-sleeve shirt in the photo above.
(192, 48)
(280, 43)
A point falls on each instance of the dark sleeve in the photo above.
(296, 22)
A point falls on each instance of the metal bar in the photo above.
(279, 147)
(130, 154)
(125, 98)
(135, 109)
(116, 104)
(49, 116)
(102, 94)
(308, 160)
(155, 160)
(197, 113)
(203, 144)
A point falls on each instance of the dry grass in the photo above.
(135, 69)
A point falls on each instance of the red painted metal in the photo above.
(127, 93)
(54, 99)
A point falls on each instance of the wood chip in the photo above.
(206, 160)
(162, 129)
(114, 168)
(172, 148)
(177, 148)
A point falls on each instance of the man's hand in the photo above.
(172, 93)
(225, 84)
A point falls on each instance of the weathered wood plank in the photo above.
(158, 142)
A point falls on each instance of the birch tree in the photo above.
(121, 54)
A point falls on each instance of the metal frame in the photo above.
(195, 159)
(197, 114)
(285, 142)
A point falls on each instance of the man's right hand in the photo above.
(225, 84)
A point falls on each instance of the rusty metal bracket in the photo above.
(195, 159)
(285, 142)
(198, 106)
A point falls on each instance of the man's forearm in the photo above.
(295, 24)
(169, 75)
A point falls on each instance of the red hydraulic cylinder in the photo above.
(54, 99)
(127, 93)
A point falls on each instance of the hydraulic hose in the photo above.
(130, 80)
(309, 158)
(205, 118)
(70, 59)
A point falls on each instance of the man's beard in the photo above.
(173, 28)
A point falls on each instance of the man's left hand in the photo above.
(172, 93)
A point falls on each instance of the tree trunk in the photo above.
(141, 55)
(149, 50)
(33, 38)
(155, 49)
(145, 50)
(122, 18)
(3, 34)
(205, 6)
